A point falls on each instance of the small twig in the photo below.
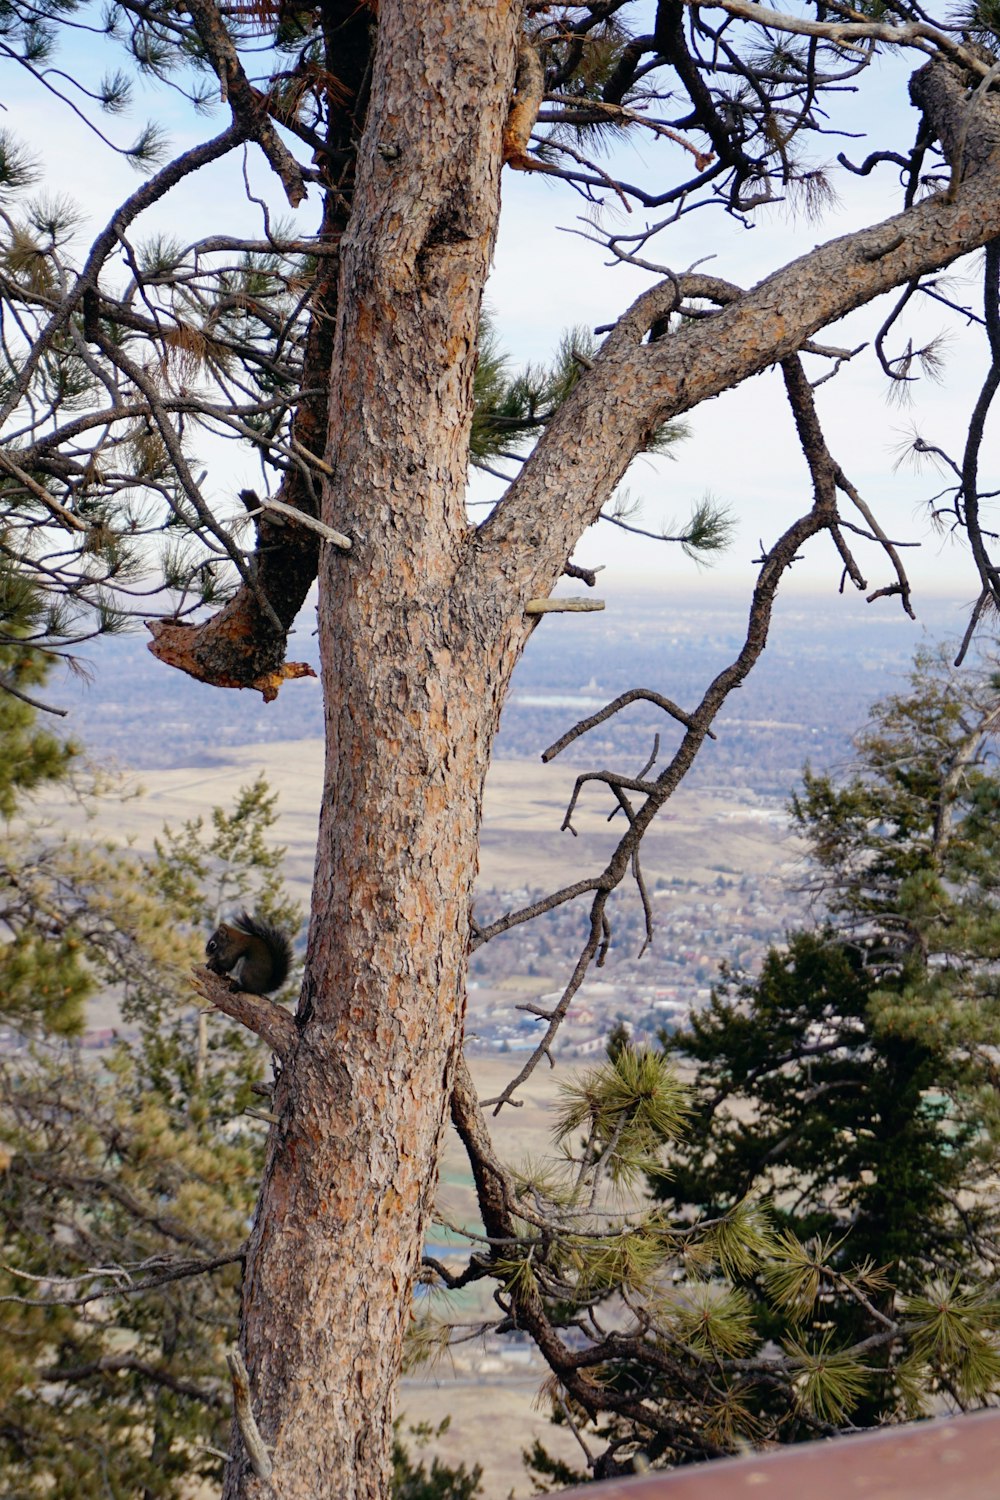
(988, 573)
(612, 779)
(123, 1287)
(257, 1454)
(902, 588)
(828, 477)
(292, 513)
(530, 912)
(318, 463)
(113, 1363)
(851, 569)
(575, 605)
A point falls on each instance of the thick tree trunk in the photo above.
(420, 625)
(413, 678)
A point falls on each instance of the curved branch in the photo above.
(634, 695)
(988, 571)
(249, 111)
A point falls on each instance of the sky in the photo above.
(742, 450)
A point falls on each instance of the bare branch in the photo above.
(917, 34)
(257, 1455)
(634, 695)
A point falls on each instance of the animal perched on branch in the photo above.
(256, 954)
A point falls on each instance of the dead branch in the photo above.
(562, 606)
(775, 564)
(634, 695)
(257, 1455)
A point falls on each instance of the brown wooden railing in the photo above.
(954, 1458)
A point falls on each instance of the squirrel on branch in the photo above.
(255, 954)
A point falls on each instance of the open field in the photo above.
(700, 833)
(494, 1418)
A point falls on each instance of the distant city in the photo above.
(828, 659)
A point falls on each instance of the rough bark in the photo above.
(412, 687)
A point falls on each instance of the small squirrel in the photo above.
(256, 954)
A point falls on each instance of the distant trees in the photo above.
(343, 354)
(853, 1083)
(413, 1480)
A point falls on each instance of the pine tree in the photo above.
(341, 350)
(412, 1480)
(42, 979)
(696, 1335)
(853, 1081)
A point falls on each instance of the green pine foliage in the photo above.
(512, 408)
(823, 1246)
(549, 1473)
(43, 980)
(129, 1173)
(845, 1124)
(852, 1083)
(697, 1335)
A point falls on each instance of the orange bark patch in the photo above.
(177, 646)
(530, 89)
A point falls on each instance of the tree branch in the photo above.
(111, 1364)
(637, 385)
(264, 1017)
(249, 111)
